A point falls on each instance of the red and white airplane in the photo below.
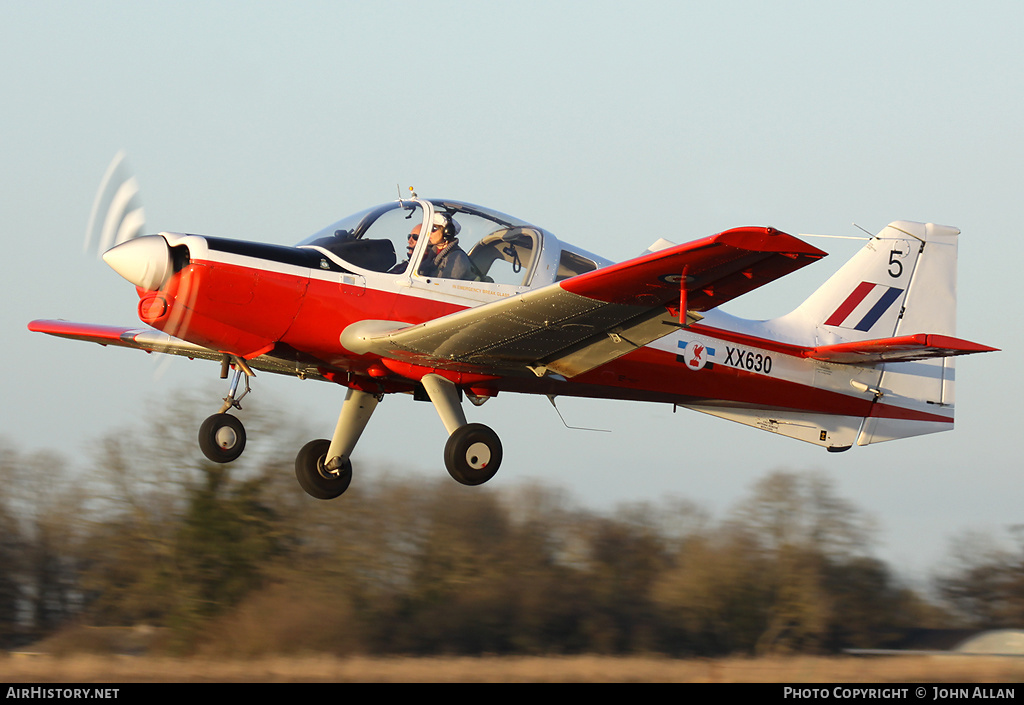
(867, 358)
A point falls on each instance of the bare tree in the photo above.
(984, 581)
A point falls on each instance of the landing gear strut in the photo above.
(323, 467)
(473, 452)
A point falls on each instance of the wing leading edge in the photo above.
(580, 323)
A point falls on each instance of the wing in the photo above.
(151, 341)
(578, 324)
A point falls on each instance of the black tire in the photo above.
(314, 478)
(473, 454)
(222, 438)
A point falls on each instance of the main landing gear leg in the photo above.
(323, 467)
(472, 454)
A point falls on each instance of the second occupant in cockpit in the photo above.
(410, 246)
(444, 258)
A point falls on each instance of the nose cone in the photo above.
(144, 261)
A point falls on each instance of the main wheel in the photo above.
(222, 438)
(317, 480)
(473, 454)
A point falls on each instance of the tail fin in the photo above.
(882, 329)
(901, 284)
(922, 386)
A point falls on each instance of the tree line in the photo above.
(235, 559)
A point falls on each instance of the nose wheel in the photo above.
(222, 438)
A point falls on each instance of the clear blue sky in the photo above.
(610, 124)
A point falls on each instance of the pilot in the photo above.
(444, 258)
(411, 245)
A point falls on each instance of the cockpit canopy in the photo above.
(501, 249)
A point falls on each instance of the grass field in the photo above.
(576, 669)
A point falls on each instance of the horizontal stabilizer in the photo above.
(904, 348)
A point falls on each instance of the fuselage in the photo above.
(446, 300)
(250, 299)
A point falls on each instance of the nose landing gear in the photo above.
(222, 436)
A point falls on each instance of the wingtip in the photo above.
(767, 239)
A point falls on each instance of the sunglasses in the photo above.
(416, 236)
